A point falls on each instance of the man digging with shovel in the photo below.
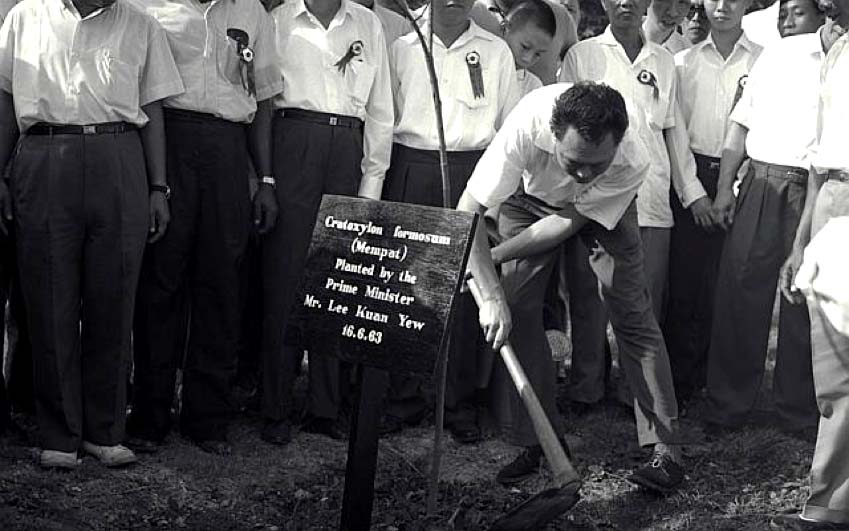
(565, 163)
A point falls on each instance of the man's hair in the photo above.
(535, 12)
(816, 5)
(593, 109)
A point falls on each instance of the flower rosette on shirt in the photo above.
(647, 78)
(246, 58)
(354, 50)
(473, 61)
(741, 85)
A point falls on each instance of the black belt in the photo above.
(430, 156)
(838, 175)
(711, 163)
(42, 128)
(184, 114)
(323, 118)
(792, 173)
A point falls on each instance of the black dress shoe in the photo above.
(142, 446)
(323, 426)
(661, 475)
(521, 468)
(794, 522)
(465, 431)
(390, 424)
(277, 432)
(215, 447)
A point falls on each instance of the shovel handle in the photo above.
(562, 468)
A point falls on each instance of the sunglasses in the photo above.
(696, 10)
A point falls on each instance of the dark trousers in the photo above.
(414, 177)
(81, 219)
(693, 265)
(197, 262)
(767, 214)
(616, 259)
(310, 159)
(18, 389)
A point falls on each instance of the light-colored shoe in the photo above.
(111, 456)
(57, 459)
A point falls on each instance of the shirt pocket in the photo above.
(657, 110)
(360, 78)
(114, 80)
(465, 94)
(227, 60)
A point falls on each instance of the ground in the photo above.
(733, 483)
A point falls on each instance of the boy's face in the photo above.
(725, 15)
(696, 24)
(581, 159)
(527, 43)
(625, 14)
(796, 17)
(452, 11)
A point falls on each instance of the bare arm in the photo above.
(542, 236)
(494, 313)
(733, 154)
(8, 138)
(153, 141)
(259, 142)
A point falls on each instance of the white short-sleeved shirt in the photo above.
(831, 151)
(64, 69)
(676, 43)
(208, 59)
(528, 82)
(779, 104)
(603, 59)
(310, 58)
(707, 88)
(522, 153)
(470, 121)
(762, 26)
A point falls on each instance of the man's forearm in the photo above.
(803, 232)
(480, 258)
(733, 154)
(153, 140)
(8, 127)
(259, 138)
(542, 236)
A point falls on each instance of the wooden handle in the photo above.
(561, 467)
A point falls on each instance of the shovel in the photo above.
(535, 512)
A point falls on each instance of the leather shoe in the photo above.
(210, 446)
(465, 431)
(662, 474)
(323, 426)
(794, 522)
(112, 456)
(277, 432)
(521, 468)
(142, 446)
(57, 459)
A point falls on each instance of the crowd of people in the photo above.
(165, 160)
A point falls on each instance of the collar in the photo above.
(608, 39)
(300, 9)
(69, 5)
(742, 42)
(472, 32)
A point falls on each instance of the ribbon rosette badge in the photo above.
(354, 50)
(647, 78)
(473, 61)
(246, 58)
(741, 85)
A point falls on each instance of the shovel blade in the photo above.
(537, 511)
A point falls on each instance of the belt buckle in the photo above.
(334, 120)
(89, 129)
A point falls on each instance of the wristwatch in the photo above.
(269, 180)
(164, 188)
